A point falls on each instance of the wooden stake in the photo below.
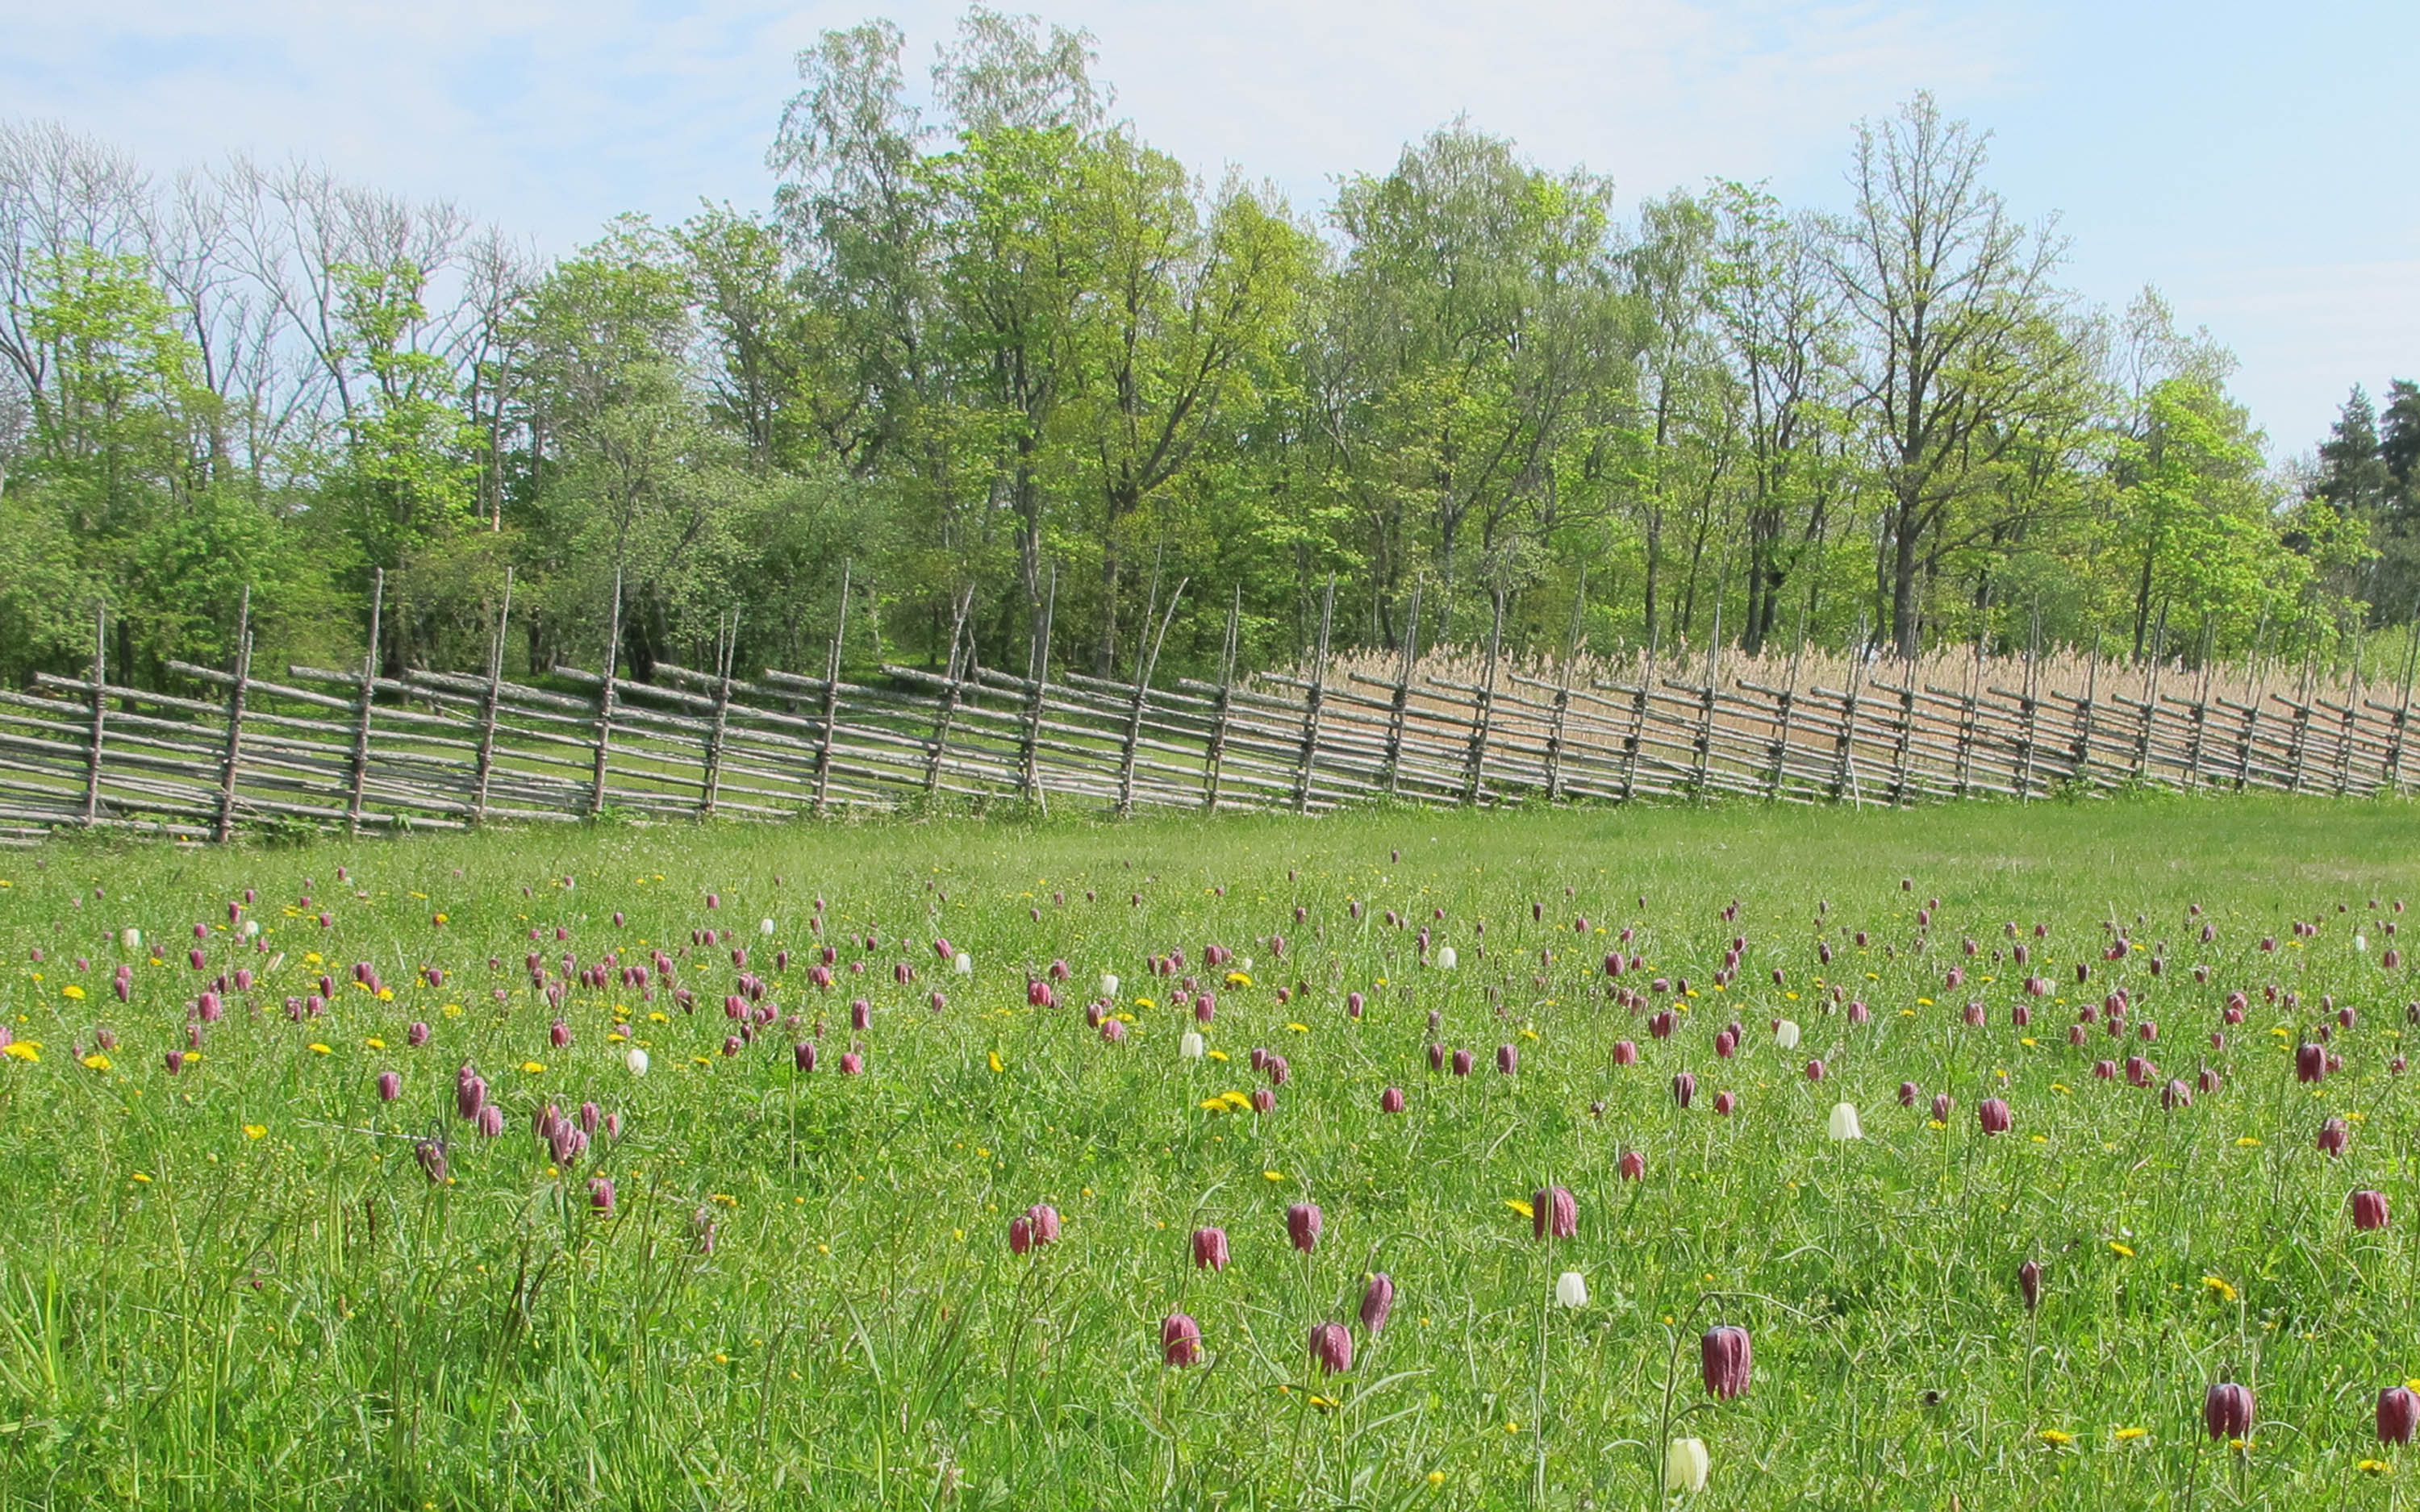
(951, 693)
(1563, 696)
(489, 702)
(1038, 671)
(368, 691)
(1396, 708)
(605, 701)
(2151, 697)
(1844, 776)
(1705, 739)
(225, 828)
(2403, 716)
(1142, 692)
(1474, 776)
(832, 698)
(1634, 743)
(2029, 707)
(99, 714)
(1213, 758)
(1312, 701)
(727, 645)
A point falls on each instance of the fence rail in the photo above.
(350, 749)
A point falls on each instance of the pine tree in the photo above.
(2399, 448)
(2353, 475)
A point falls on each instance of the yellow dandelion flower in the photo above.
(996, 1067)
(1213, 1104)
(533, 1067)
(1237, 1099)
(375, 1044)
(1273, 1176)
(2247, 1142)
(72, 993)
(254, 1130)
(2126, 1435)
(142, 1177)
(1237, 978)
(2116, 1248)
(97, 1061)
(1437, 1477)
(1145, 1002)
(319, 1049)
(1520, 1207)
(2056, 1438)
(25, 1050)
(2375, 1467)
(2218, 1284)
(1299, 1029)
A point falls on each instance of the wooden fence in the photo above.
(345, 749)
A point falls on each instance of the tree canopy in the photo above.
(993, 350)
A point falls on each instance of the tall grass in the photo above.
(236, 1286)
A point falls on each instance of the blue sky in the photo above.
(2251, 160)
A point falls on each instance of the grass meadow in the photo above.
(255, 1281)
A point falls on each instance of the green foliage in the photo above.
(991, 346)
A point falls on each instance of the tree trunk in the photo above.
(1906, 526)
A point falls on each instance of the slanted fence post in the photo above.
(951, 691)
(1705, 739)
(2029, 708)
(1844, 772)
(1904, 754)
(2150, 699)
(1311, 701)
(2350, 716)
(491, 699)
(1482, 721)
(359, 773)
(727, 645)
(225, 828)
(2402, 720)
(1037, 673)
(1563, 698)
(1635, 742)
(101, 714)
(605, 703)
(1148, 664)
(1216, 754)
(1399, 702)
(832, 700)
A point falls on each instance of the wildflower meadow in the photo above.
(1738, 1157)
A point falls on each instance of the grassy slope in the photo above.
(298, 1319)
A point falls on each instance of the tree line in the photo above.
(1012, 364)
